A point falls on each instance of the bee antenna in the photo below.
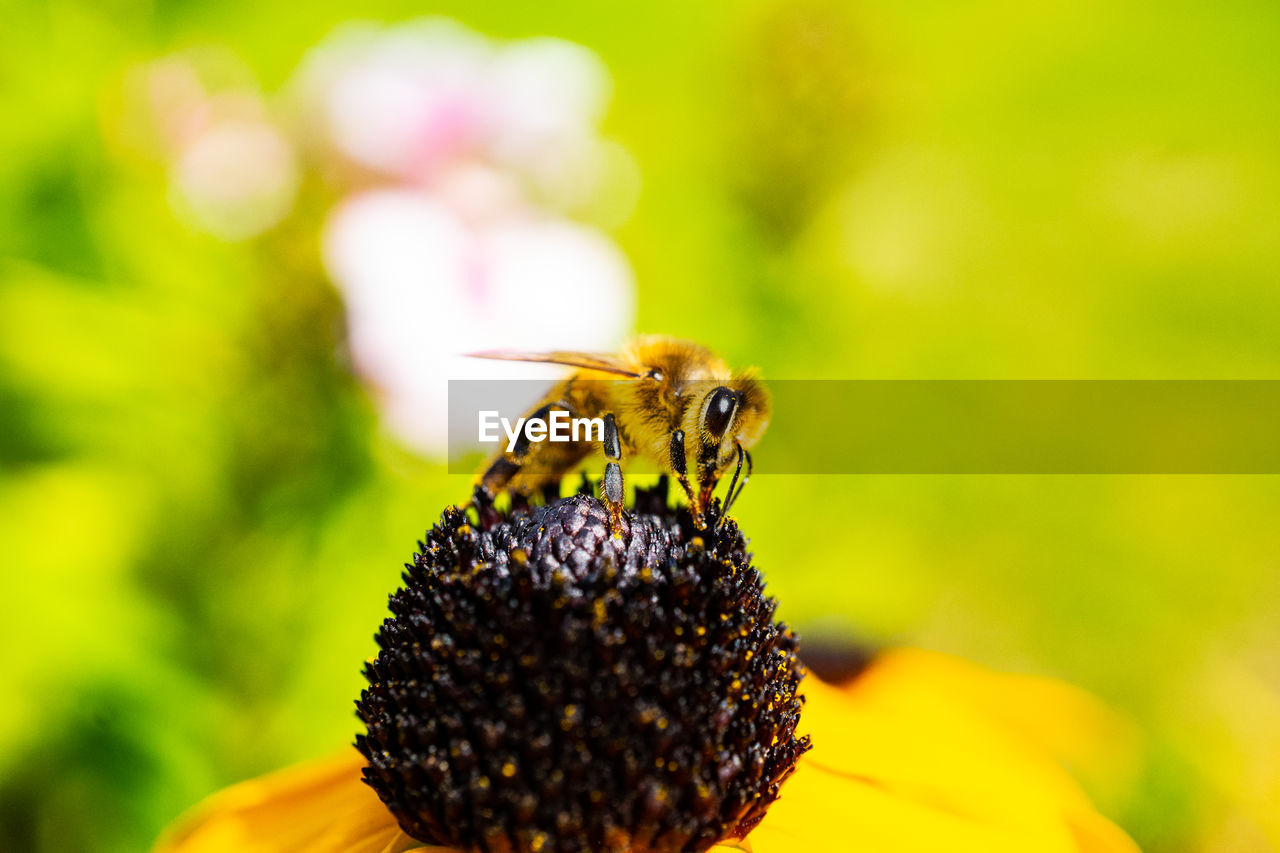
(732, 495)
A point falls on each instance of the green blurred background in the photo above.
(200, 517)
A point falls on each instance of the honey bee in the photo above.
(672, 401)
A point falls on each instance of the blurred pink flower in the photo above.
(469, 154)
(423, 283)
(403, 101)
(232, 172)
(417, 100)
(236, 179)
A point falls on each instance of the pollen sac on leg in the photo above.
(544, 686)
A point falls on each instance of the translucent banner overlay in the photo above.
(960, 426)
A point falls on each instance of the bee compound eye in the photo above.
(719, 411)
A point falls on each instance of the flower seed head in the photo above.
(542, 686)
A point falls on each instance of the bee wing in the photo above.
(585, 360)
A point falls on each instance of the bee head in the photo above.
(735, 413)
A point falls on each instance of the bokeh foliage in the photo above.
(200, 520)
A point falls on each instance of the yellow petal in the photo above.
(318, 807)
(1057, 719)
(906, 759)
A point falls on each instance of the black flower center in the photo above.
(542, 687)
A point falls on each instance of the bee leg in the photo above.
(612, 486)
(550, 491)
(497, 475)
(732, 495)
(680, 465)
